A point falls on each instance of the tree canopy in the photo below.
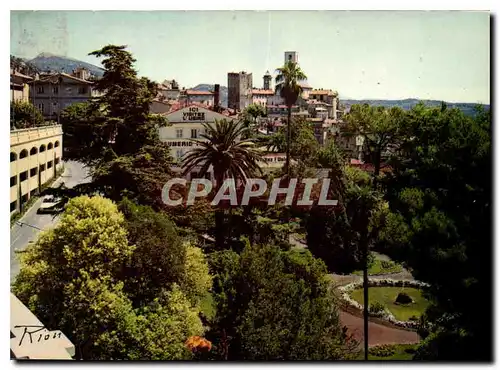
(274, 305)
(115, 134)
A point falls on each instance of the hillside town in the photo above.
(52, 92)
(255, 219)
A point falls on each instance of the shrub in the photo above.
(376, 307)
(387, 264)
(384, 350)
(403, 298)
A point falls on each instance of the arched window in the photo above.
(33, 151)
(42, 148)
(23, 154)
(50, 146)
(13, 156)
(56, 144)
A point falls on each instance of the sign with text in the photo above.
(193, 115)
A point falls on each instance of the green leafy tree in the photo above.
(303, 146)
(70, 279)
(251, 115)
(159, 258)
(287, 83)
(274, 305)
(381, 128)
(116, 135)
(440, 225)
(196, 281)
(228, 155)
(24, 115)
(23, 66)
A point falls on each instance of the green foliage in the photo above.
(357, 176)
(26, 68)
(196, 281)
(337, 234)
(116, 136)
(382, 129)
(403, 298)
(165, 326)
(440, 225)
(229, 157)
(288, 80)
(391, 352)
(384, 350)
(303, 145)
(71, 280)
(274, 305)
(25, 115)
(159, 259)
(387, 296)
(376, 307)
(379, 267)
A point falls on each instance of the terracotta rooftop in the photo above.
(50, 78)
(262, 92)
(197, 92)
(322, 92)
(19, 74)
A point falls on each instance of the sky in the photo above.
(361, 54)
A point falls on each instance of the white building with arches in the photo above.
(35, 156)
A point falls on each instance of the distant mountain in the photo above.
(208, 87)
(467, 108)
(46, 62)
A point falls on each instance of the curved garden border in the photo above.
(385, 315)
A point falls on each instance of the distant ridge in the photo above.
(208, 87)
(46, 62)
(467, 108)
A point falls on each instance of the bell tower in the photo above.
(267, 81)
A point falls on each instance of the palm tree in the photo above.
(287, 84)
(229, 157)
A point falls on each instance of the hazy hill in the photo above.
(46, 62)
(208, 87)
(467, 108)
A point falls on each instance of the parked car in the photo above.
(50, 205)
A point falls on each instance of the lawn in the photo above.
(387, 296)
(402, 352)
(379, 267)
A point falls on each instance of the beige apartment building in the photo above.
(53, 93)
(19, 88)
(35, 155)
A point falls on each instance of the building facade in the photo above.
(268, 79)
(197, 96)
(186, 124)
(261, 96)
(53, 93)
(159, 106)
(35, 156)
(19, 88)
(239, 86)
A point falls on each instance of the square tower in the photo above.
(291, 56)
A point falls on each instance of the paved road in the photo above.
(20, 236)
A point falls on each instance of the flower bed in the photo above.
(385, 314)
